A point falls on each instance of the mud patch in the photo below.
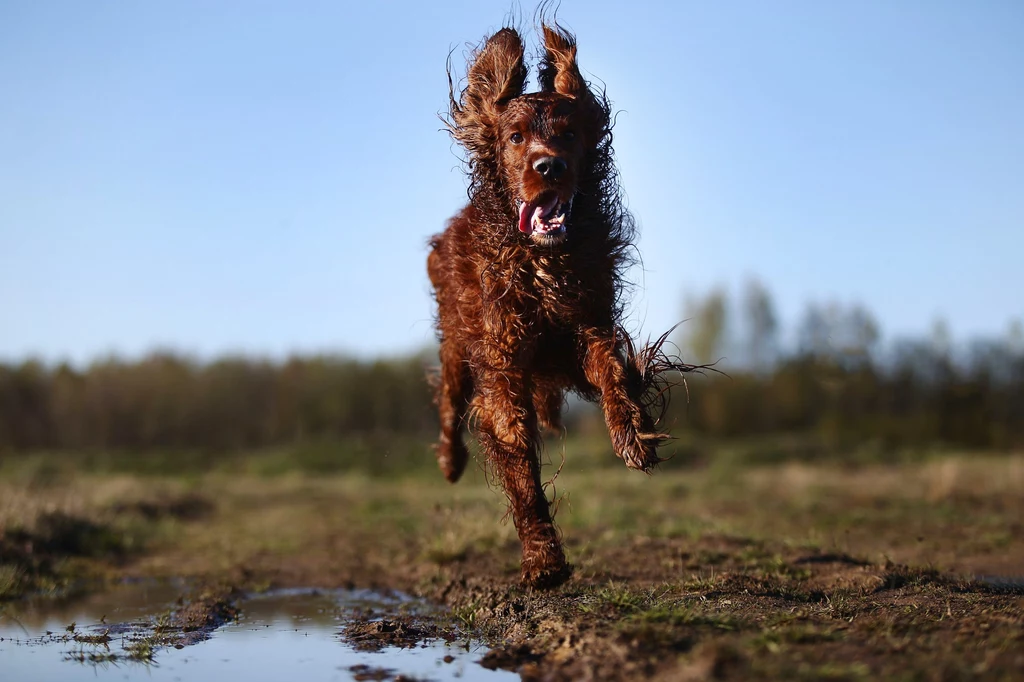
(714, 608)
(376, 635)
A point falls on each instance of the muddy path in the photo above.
(747, 611)
(785, 573)
(723, 608)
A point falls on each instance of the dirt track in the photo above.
(784, 573)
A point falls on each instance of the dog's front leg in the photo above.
(634, 436)
(507, 427)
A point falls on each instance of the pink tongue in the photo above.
(526, 217)
(529, 210)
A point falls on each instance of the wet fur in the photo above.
(521, 322)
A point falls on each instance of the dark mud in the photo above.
(708, 608)
(733, 609)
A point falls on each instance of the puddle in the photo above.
(286, 634)
(1000, 583)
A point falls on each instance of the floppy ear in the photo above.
(558, 69)
(496, 76)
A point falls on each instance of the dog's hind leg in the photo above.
(453, 394)
(547, 401)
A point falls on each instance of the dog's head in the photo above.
(536, 145)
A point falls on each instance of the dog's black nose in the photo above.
(549, 167)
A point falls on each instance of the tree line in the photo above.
(833, 380)
(167, 401)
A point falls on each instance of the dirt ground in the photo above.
(909, 572)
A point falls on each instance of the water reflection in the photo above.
(290, 634)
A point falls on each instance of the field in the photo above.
(909, 570)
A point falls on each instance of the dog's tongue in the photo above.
(529, 211)
(526, 217)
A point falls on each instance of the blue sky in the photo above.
(262, 176)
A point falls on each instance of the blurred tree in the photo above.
(1015, 336)
(860, 334)
(706, 326)
(839, 334)
(761, 325)
(940, 337)
(814, 333)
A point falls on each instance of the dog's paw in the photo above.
(545, 572)
(640, 450)
(451, 458)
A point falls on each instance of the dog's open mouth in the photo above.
(544, 217)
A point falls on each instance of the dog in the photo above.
(528, 280)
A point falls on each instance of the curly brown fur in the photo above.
(528, 279)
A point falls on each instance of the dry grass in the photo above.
(787, 572)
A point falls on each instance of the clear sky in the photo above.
(262, 176)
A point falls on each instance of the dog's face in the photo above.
(536, 143)
(542, 140)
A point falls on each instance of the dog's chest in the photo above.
(556, 291)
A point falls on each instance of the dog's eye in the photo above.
(568, 135)
(516, 138)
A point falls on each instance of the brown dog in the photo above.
(528, 279)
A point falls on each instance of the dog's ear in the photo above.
(558, 69)
(496, 76)
(560, 73)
